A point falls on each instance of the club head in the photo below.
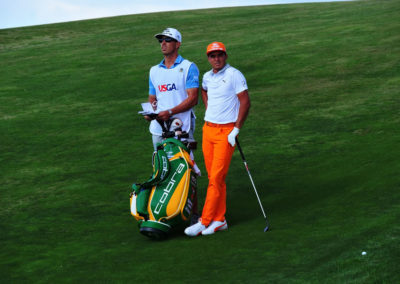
(267, 227)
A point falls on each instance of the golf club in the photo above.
(252, 182)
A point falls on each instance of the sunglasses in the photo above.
(166, 39)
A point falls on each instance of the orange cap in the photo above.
(216, 46)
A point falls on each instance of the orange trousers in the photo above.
(217, 156)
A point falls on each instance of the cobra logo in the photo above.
(168, 188)
(165, 167)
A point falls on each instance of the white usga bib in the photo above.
(170, 92)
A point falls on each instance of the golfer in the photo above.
(225, 96)
(173, 86)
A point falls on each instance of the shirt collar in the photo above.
(178, 60)
(222, 70)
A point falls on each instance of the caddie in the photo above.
(226, 99)
(173, 86)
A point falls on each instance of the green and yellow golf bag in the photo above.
(165, 200)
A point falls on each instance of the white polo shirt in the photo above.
(222, 89)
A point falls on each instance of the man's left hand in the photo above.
(232, 136)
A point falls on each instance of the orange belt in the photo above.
(232, 124)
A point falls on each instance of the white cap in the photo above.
(170, 32)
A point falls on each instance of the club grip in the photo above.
(240, 148)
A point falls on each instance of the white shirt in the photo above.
(222, 89)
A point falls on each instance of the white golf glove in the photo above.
(232, 136)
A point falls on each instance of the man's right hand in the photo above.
(164, 115)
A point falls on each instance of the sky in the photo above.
(19, 13)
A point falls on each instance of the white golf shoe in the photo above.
(215, 226)
(195, 229)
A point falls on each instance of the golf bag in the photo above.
(165, 200)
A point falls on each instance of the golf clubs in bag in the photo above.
(165, 200)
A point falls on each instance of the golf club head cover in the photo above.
(176, 124)
(232, 136)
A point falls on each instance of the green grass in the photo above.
(322, 141)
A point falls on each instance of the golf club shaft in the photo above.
(251, 179)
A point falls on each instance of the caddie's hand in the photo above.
(164, 115)
(148, 118)
(232, 136)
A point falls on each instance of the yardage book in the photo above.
(147, 109)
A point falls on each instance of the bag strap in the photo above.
(161, 167)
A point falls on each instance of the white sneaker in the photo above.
(195, 229)
(214, 227)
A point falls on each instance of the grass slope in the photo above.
(321, 141)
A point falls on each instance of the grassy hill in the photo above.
(322, 142)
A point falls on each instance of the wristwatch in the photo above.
(170, 112)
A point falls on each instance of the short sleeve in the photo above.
(192, 79)
(152, 90)
(240, 83)
(204, 83)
